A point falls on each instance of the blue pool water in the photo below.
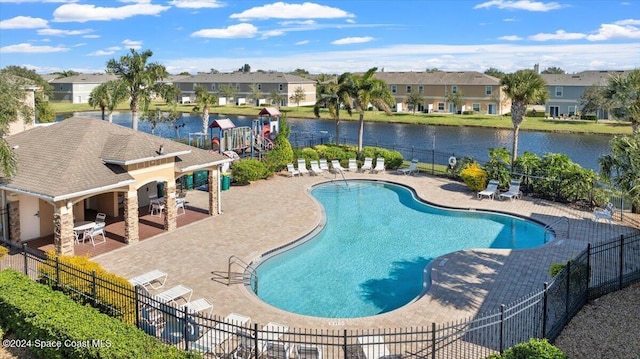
(370, 257)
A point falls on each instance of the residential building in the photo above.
(480, 93)
(244, 82)
(76, 89)
(22, 124)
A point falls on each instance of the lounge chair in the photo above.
(302, 166)
(173, 294)
(379, 165)
(490, 191)
(605, 213)
(335, 164)
(270, 333)
(307, 351)
(292, 171)
(315, 168)
(219, 334)
(513, 192)
(373, 346)
(324, 165)
(198, 305)
(353, 165)
(367, 165)
(278, 350)
(412, 169)
(149, 278)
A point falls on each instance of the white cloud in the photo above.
(101, 53)
(196, 4)
(132, 44)
(282, 10)
(510, 38)
(628, 22)
(272, 33)
(30, 49)
(58, 32)
(612, 31)
(230, 32)
(297, 22)
(84, 13)
(303, 42)
(91, 36)
(352, 40)
(23, 22)
(527, 5)
(25, 1)
(80, 44)
(509, 20)
(558, 35)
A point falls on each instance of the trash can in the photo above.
(226, 181)
(200, 178)
(189, 181)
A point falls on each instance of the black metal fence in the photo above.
(600, 269)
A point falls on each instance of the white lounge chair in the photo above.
(379, 165)
(353, 165)
(277, 350)
(149, 278)
(315, 168)
(324, 165)
(302, 166)
(270, 333)
(513, 192)
(173, 294)
(219, 334)
(335, 164)
(367, 165)
(605, 213)
(373, 346)
(307, 351)
(292, 171)
(198, 305)
(412, 169)
(490, 191)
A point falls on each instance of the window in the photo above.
(572, 110)
(213, 87)
(558, 91)
(420, 89)
(394, 89)
(280, 87)
(440, 106)
(476, 107)
(488, 90)
(454, 89)
(409, 89)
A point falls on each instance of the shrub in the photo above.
(474, 177)
(333, 153)
(368, 152)
(116, 300)
(392, 159)
(309, 154)
(3, 252)
(281, 155)
(556, 268)
(38, 314)
(245, 171)
(468, 112)
(533, 349)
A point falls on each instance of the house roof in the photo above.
(584, 78)
(269, 111)
(85, 79)
(82, 155)
(244, 77)
(222, 123)
(437, 78)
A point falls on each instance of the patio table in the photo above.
(81, 226)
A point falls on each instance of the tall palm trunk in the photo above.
(102, 109)
(111, 117)
(134, 115)
(360, 132)
(337, 130)
(518, 111)
(205, 119)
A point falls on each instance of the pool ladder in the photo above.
(335, 174)
(548, 227)
(247, 274)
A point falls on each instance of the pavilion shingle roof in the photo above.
(69, 157)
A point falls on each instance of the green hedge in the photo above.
(245, 171)
(533, 349)
(45, 318)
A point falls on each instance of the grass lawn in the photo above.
(531, 123)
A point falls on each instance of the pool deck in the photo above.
(268, 214)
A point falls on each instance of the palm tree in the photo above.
(624, 92)
(139, 76)
(204, 101)
(14, 106)
(107, 96)
(333, 95)
(523, 87)
(621, 167)
(366, 90)
(68, 73)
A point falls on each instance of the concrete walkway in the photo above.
(271, 213)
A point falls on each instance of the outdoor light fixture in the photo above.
(161, 150)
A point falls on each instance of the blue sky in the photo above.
(322, 36)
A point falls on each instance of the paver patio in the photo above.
(271, 213)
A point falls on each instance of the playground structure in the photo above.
(246, 141)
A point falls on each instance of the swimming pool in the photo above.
(371, 255)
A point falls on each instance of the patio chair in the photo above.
(367, 165)
(335, 165)
(278, 350)
(307, 351)
(315, 168)
(173, 294)
(292, 171)
(412, 169)
(605, 213)
(100, 217)
(157, 208)
(302, 166)
(379, 165)
(180, 204)
(198, 305)
(324, 165)
(220, 333)
(93, 232)
(353, 165)
(270, 333)
(147, 279)
(513, 192)
(490, 191)
(373, 346)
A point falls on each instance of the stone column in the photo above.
(214, 184)
(14, 221)
(131, 233)
(63, 236)
(170, 213)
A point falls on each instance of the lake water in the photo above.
(583, 149)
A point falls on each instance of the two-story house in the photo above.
(76, 89)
